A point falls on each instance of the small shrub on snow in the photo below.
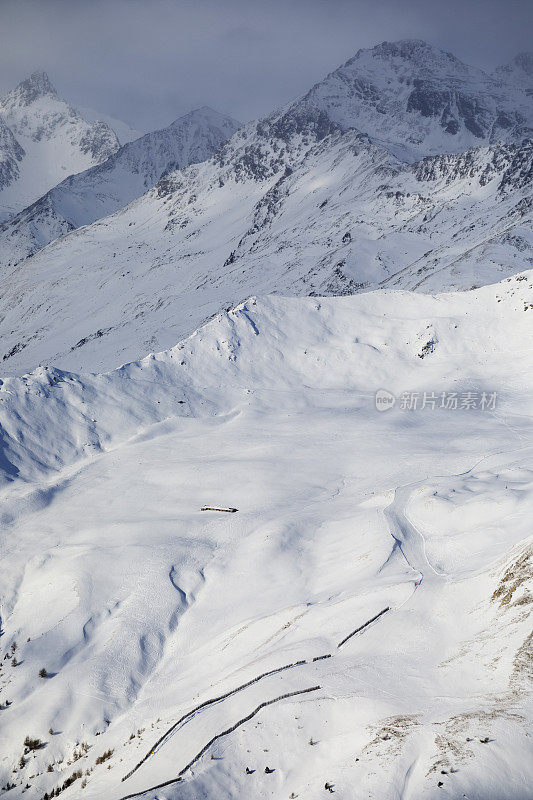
(104, 756)
(32, 744)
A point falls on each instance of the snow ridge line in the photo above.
(362, 627)
(210, 702)
(219, 736)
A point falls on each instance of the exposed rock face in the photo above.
(10, 154)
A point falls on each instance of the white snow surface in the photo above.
(141, 607)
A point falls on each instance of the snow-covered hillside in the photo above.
(140, 608)
(105, 188)
(52, 140)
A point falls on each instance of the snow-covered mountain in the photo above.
(362, 622)
(417, 100)
(314, 215)
(51, 141)
(300, 202)
(409, 97)
(107, 187)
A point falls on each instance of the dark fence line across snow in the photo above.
(219, 736)
(190, 714)
(362, 627)
(213, 700)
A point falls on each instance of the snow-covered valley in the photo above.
(141, 607)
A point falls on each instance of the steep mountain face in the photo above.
(417, 100)
(83, 198)
(53, 139)
(11, 154)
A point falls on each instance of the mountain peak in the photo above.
(415, 51)
(416, 100)
(203, 112)
(37, 85)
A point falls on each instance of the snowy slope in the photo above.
(141, 607)
(54, 140)
(105, 188)
(333, 216)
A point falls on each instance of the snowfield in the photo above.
(142, 608)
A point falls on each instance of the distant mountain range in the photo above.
(404, 167)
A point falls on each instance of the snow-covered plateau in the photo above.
(142, 609)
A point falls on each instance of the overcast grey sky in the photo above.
(149, 61)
